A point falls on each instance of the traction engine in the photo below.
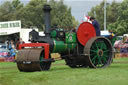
(81, 48)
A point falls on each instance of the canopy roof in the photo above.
(8, 31)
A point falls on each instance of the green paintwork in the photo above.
(70, 37)
(61, 47)
(42, 57)
(53, 33)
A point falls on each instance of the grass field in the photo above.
(60, 74)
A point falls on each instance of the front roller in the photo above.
(99, 52)
(29, 60)
(34, 58)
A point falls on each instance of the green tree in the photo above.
(6, 11)
(120, 26)
(32, 14)
(112, 13)
(61, 15)
(16, 3)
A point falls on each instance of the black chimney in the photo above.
(47, 10)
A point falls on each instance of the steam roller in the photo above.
(79, 48)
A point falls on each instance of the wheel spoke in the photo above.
(94, 62)
(99, 60)
(102, 44)
(94, 59)
(94, 51)
(105, 56)
(92, 54)
(96, 45)
(93, 47)
(104, 59)
(106, 51)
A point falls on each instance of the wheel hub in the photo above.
(100, 52)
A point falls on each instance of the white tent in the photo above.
(10, 27)
(9, 31)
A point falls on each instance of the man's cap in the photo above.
(92, 18)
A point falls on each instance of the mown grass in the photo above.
(60, 74)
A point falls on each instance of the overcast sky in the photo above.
(82, 7)
(79, 7)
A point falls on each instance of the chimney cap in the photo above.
(47, 7)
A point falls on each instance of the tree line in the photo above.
(31, 14)
(117, 16)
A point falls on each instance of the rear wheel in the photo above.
(99, 51)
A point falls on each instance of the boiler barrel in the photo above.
(61, 47)
(69, 44)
